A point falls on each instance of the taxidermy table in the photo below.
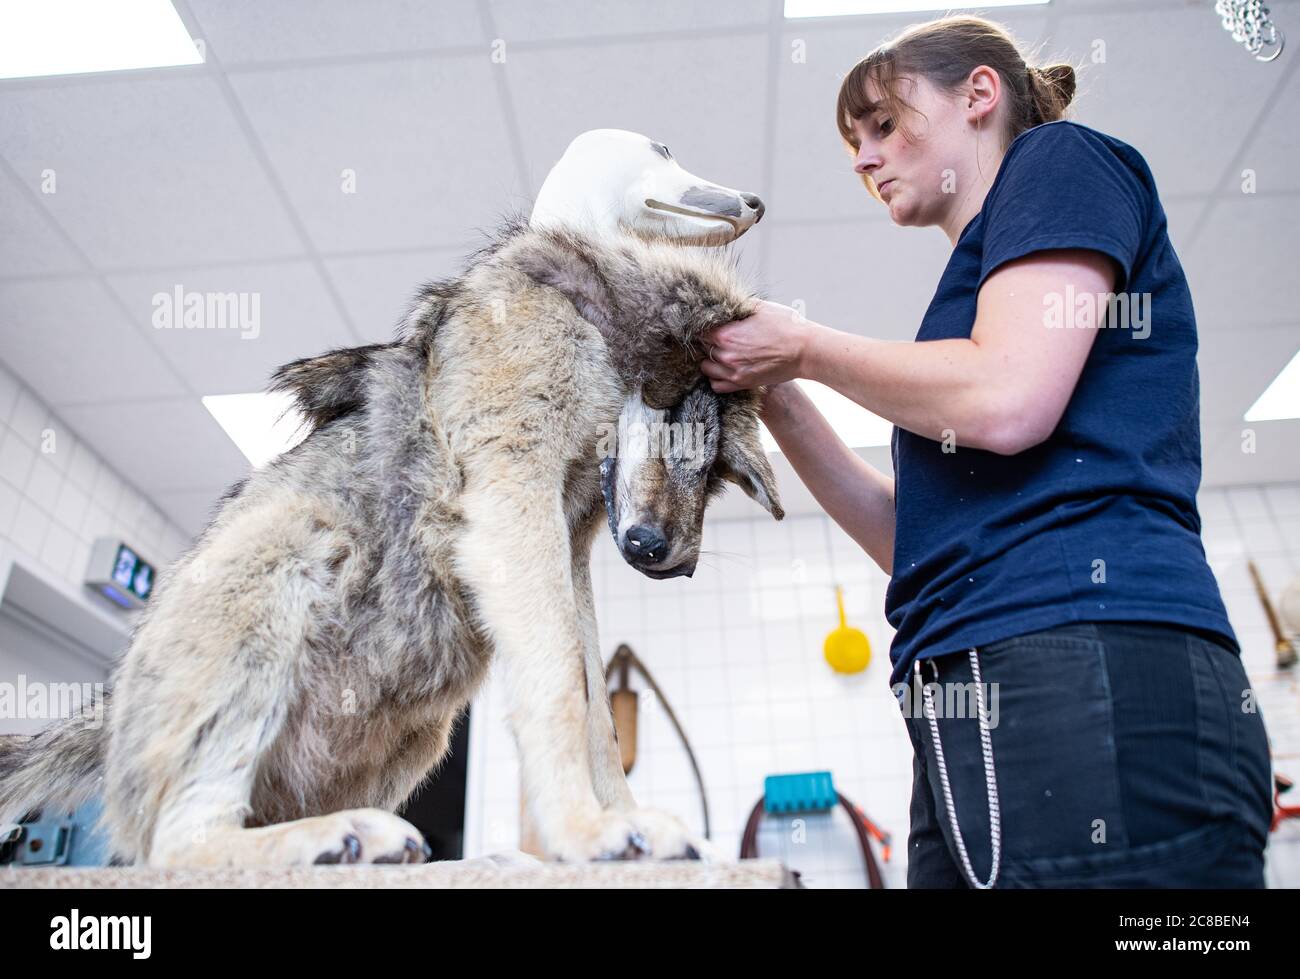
(744, 874)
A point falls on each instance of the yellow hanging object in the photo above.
(847, 649)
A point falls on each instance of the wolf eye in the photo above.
(662, 150)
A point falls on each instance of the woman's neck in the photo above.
(968, 204)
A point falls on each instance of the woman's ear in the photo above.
(741, 459)
(984, 92)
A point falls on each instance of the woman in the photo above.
(1041, 528)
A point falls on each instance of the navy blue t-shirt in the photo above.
(1099, 522)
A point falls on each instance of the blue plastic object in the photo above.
(800, 792)
(62, 838)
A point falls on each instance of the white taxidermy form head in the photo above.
(614, 181)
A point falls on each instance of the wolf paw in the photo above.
(668, 838)
(629, 834)
(370, 836)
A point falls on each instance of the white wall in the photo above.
(56, 496)
(737, 650)
(53, 504)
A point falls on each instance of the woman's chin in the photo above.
(900, 213)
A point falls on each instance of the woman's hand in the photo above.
(764, 348)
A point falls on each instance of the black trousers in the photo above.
(1124, 754)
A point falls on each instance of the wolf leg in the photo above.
(515, 555)
(606, 760)
(347, 836)
(203, 788)
(607, 775)
(201, 707)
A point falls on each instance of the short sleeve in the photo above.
(1065, 188)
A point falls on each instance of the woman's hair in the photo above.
(945, 51)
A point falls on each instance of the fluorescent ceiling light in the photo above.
(261, 425)
(846, 8)
(859, 428)
(68, 37)
(1281, 399)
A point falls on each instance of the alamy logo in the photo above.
(102, 931)
(682, 441)
(950, 699)
(1072, 310)
(181, 310)
(48, 701)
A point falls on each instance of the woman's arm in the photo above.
(1003, 390)
(856, 495)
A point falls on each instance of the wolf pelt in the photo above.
(298, 672)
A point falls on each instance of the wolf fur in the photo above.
(298, 672)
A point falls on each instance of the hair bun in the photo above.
(1058, 76)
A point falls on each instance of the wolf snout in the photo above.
(755, 204)
(644, 543)
(645, 547)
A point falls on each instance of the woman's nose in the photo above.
(866, 161)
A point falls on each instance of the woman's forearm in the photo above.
(938, 389)
(856, 495)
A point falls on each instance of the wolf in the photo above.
(299, 670)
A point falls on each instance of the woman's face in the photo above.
(918, 180)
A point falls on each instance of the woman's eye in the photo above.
(887, 126)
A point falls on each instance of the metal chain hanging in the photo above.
(1249, 23)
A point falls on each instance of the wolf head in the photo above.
(666, 465)
(612, 181)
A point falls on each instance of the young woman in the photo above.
(1041, 527)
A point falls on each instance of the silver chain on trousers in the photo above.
(1249, 23)
(990, 776)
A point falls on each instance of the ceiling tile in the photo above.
(424, 138)
(68, 340)
(290, 315)
(160, 445)
(870, 278)
(1181, 217)
(150, 171)
(1187, 135)
(1236, 364)
(190, 510)
(539, 20)
(30, 244)
(240, 31)
(376, 289)
(1242, 265)
(1273, 152)
(704, 99)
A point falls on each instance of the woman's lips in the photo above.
(880, 189)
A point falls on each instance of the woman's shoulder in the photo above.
(1067, 149)
(1067, 134)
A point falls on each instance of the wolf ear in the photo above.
(329, 386)
(741, 459)
(567, 264)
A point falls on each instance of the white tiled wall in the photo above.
(57, 495)
(738, 651)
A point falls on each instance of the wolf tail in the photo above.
(61, 766)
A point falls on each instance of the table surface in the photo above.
(480, 873)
